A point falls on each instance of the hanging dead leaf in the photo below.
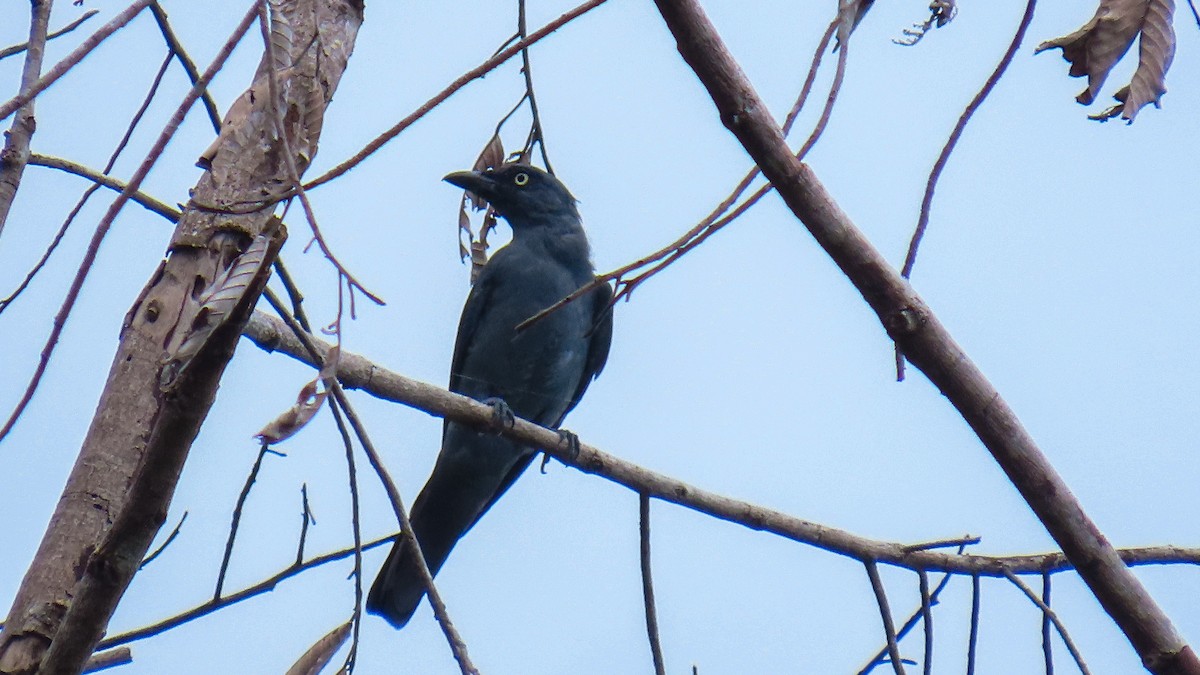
(322, 651)
(490, 157)
(308, 402)
(1095, 48)
(464, 228)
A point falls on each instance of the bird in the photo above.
(539, 372)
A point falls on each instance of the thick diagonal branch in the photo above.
(166, 369)
(928, 345)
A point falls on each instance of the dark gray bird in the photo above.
(540, 372)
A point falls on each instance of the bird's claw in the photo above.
(572, 442)
(502, 415)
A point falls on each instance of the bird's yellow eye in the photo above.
(521, 179)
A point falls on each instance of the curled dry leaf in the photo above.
(308, 402)
(490, 157)
(1095, 48)
(464, 228)
(319, 655)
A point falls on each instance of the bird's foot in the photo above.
(572, 442)
(502, 415)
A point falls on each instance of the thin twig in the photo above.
(931, 184)
(927, 619)
(913, 618)
(457, 645)
(236, 519)
(306, 518)
(1047, 645)
(535, 126)
(294, 294)
(960, 542)
(189, 66)
(648, 585)
(155, 206)
(87, 194)
(655, 262)
(167, 542)
(110, 216)
(973, 636)
(473, 74)
(889, 627)
(17, 49)
(356, 530)
(125, 16)
(210, 606)
(827, 112)
(1050, 613)
(110, 659)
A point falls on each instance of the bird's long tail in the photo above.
(472, 471)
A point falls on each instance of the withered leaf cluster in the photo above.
(1095, 48)
(490, 157)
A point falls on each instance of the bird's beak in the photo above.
(474, 181)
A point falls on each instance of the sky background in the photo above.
(1061, 256)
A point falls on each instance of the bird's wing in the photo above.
(473, 314)
(601, 339)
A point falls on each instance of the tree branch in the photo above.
(15, 154)
(147, 416)
(357, 372)
(10, 106)
(928, 345)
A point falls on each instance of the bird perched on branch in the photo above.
(538, 373)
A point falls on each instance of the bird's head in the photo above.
(523, 194)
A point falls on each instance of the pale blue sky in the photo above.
(1061, 255)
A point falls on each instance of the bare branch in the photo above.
(110, 659)
(927, 619)
(166, 542)
(973, 636)
(659, 260)
(265, 586)
(83, 199)
(885, 612)
(316, 350)
(1047, 646)
(660, 667)
(928, 345)
(357, 372)
(944, 156)
(189, 66)
(236, 518)
(16, 141)
(473, 74)
(17, 49)
(125, 16)
(1050, 614)
(151, 204)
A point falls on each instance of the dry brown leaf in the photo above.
(490, 157)
(216, 302)
(319, 655)
(308, 402)
(464, 227)
(1095, 48)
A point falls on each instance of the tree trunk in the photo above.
(158, 394)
